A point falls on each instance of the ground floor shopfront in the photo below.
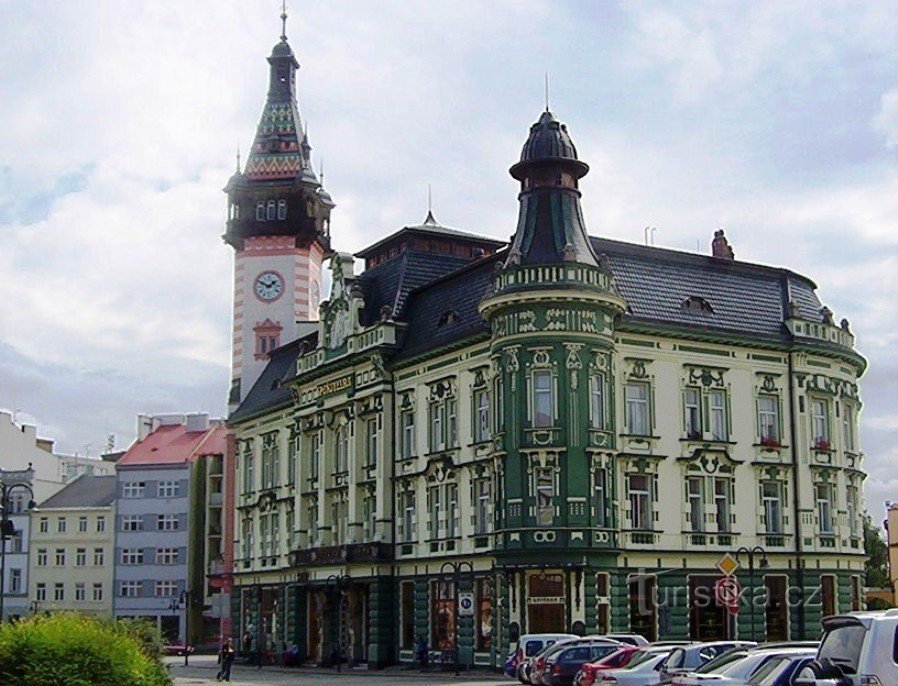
(475, 610)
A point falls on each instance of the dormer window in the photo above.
(448, 317)
(695, 303)
(270, 211)
(282, 209)
(260, 212)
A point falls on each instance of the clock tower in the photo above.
(279, 226)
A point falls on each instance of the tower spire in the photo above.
(284, 21)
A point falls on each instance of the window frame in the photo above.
(543, 417)
(632, 404)
(646, 519)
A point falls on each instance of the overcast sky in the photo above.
(120, 121)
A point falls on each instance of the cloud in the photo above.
(886, 120)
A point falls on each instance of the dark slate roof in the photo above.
(747, 299)
(268, 391)
(85, 491)
(431, 226)
(390, 282)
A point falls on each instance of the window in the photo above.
(722, 504)
(407, 614)
(167, 523)
(848, 426)
(452, 422)
(98, 592)
(693, 413)
(823, 496)
(132, 523)
(81, 557)
(60, 557)
(451, 510)
(696, 494)
(341, 448)
(407, 422)
(434, 506)
(597, 402)
(640, 492)
(44, 525)
(82, 524)
(247, 539)
(282, 209)
(369, 514)
(828, 596)
(768, 420)
(60, 525)
(315, 462)
(130, 589)
(80, 595)
(59, 591)
(15, 580)
(133, 489)
(313, 522)
(545, 496)
(371, 435)
(820, 423)
(498, 421)
(407, 512)
(851, 497)
(481, 415)
(101, 524)
(166, 589)
(166, 556)
(543, 410)
(437, 440)
(260, 212)
(248, 469)
(600, 504)
(99, 557)
(483, 493)
(772, 502)
(293, 452)
(270, 210)
(442, 610)
(270, 460)
(132, 556)
(637, 401)
(483, 635)
(41, 557)
(168, 489)
(718, 403)
(40, 592)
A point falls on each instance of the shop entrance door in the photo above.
(546, 604)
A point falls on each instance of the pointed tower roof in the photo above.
(281, 147)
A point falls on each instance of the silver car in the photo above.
(643, 669)
(734, 668)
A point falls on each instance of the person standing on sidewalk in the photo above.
(227, 660)
(423, 652)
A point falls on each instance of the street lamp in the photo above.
(763, 564)
(34, 607)
(456, 572)
(338, 585)
(185, 598)
(9, 482)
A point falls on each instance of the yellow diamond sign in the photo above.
(727, 564)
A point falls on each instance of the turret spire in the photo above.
(284, 21)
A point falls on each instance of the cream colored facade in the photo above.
(71, 569)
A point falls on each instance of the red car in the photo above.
(177, 648)
(587, 674)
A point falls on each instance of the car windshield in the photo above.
(618, 658)
(843, 645)
(721, 661)
(644, 657)
(774, 666)
(534, 647)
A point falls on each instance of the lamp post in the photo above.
(456, 572)
(763, 564)
(35, 606)
(185, 598)
(9, 482)
(339, 584)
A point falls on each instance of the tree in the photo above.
(877, 555)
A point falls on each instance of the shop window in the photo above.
(442, 615)
(483, 635)
(407, 614)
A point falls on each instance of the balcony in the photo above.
(344, 554)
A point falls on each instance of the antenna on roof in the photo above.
(430, 219)
(284, 20)
(547, 91)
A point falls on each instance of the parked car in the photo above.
(642, 669)
(780, 671)
(589, 672)
(528, 646)
(735, 667)
(177, 648)
(566, 659)
(629, 639)
(858, 648)
(685, 659)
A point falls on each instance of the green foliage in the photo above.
(877, 555)
(74, 650)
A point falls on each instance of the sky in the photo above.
(121, 120)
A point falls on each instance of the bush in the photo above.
(74, 650)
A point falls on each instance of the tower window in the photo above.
(268, 337)
(269, 215)
(260, 212)
(282, 209)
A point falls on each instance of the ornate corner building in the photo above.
(479, 440)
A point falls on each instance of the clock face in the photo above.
(269, 286)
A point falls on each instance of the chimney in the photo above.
(720, 247)
(198, 422)
(144, 426)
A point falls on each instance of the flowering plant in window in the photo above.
(821, 444)
(770, 442)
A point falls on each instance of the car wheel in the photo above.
(824, 669)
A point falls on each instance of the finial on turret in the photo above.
(238, 159)
(547, 91)
(284, 21)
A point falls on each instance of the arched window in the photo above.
(260, 212)
(270, 213)
(282, 209)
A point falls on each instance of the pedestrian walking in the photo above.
(227, 660)
(423, 652)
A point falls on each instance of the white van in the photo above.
(530, 645)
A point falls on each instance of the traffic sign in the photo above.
(466, 604)
(727, 592)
